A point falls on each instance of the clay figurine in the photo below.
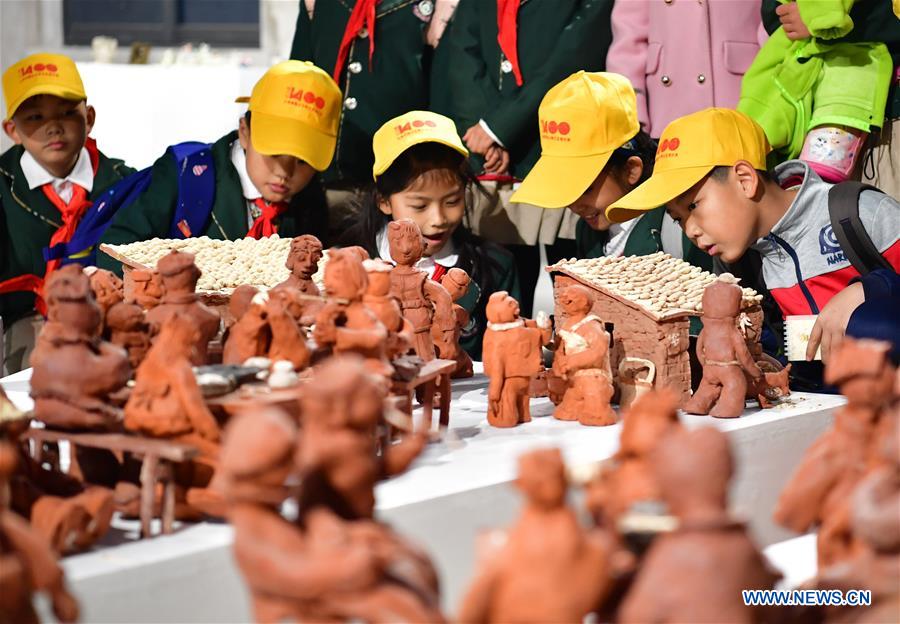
(303, 262)
(108, 289)
(512, 356)
(27, 565)
(346, 324)
(696, 572)
(386, 308)
(819, 491)
(128, 329)
(288, 336)
(723, 353)
(250, 336)
(74, 370)
(143, 287)
(456, 282)
(548, 568)
(583, 362)
(179, 277)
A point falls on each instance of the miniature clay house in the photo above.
(646, 303)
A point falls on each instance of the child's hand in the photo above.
(794, 28)
(477, 140)
(496, 160)
(832, 322)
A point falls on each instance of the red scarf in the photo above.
(507, 34)
(71, 214)
(363, 15)
(264, 225)
(439, 272)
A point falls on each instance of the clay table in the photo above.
(433, 377)
(456, 489)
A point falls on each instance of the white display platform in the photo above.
(795, 559)
(454, 490)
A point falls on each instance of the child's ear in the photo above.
(747, 178)
(244, 133)
(91, 117)
(384, 205)
(9, 127)
(634, 168)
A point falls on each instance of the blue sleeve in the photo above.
(879, 284)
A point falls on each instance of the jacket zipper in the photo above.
(813, 306)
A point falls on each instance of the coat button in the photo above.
(666, 80)
(350, 103)
(506, 66)
(355, 67)
(701, 78)
(363, 33)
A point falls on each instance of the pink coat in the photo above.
(683, 55)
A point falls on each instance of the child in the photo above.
(421, 173)
(261, 177)
(48, 180)
(593, 152)
(710, 173)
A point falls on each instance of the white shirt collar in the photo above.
(618, 236)
(446, 257)
(239, 160)
(82, 174)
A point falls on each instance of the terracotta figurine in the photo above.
(288, 336)
(303, 262)
(27, 565)
(108, 289)
(386, 308)
(128, 329)
(583, 362)
(74, 370)
(548, 568)
(250, 336)
(819, 491)
(696, 572)
(143, 287)
(512, 356)
(456, 282)
(179, 277)
(346, 324)
(723, 353)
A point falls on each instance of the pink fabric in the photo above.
(683, 39)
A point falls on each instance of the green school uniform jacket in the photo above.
(150, 216)
(554, 39)
(396, 83)
(28, 220)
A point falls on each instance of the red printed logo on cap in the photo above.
(668, 145)
(305, 99)
(555, 130)
(38, 69)
(413, 125)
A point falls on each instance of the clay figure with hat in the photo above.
(456, 282)
(179, 277)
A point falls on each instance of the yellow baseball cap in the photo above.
(41, 74)
(689, 148)
(401, 133)
(296, 110)
(583, 120)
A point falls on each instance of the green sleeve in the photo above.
(301, 47)
(508, 279)
(582, 45)
(826, 19)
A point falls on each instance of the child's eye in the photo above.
(33, 117)
(417, 207)
(692, 205)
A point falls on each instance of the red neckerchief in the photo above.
(71, 214)
(363, 15)
(264, 225)
(507, 34)
(439, 272)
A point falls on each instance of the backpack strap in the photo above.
(196, 189)
(857, 245)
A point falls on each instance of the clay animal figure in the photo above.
(512, 356)
(321, 568)
(723, 353)
(548, 568)
(696, 572)
(250, 336)
(771, 387)
(143, 287)
(166, 402)
(128, 329)
(583, 362)
(819, 492)
(631, 478)
(386, 308)
(417, 294)
(27, 565)
(346, 324)
(74, 370)
(456, 282)
(179, 278)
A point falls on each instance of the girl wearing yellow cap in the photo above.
(421, 173)
(593, 153)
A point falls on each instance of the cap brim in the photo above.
(660, 189)
(244, 99)
(557, 181)
(383, 165)
(59, 91)
(273, 135)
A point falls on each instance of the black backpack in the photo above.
(843, 210)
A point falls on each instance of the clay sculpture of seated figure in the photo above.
(143, 287)
(583, 361)
(512, 356)
(548, 568)
(179, 278)
(456, 282)
(386, 308)
(74, 370)
(819, 492)
(288, 336)
(166, 402)
(320, 568)
(250, 336)
(128, 329)
(27, 565)
(696, 572)
(723, 353)
(108, 290)
(346, 324)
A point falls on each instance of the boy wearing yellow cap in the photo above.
(711, 174)
(593, 152)
(263, 173)
(48, 180)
